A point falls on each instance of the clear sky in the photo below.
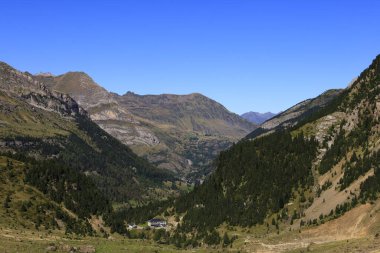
(249, 55)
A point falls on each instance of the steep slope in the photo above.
(182, 134)
(340, 168)
(296, 113)
(25, 206)
(258, 118)
(320, 176)
(43, 124)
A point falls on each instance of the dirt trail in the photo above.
(355, 229)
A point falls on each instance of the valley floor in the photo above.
(36, 242)
(31, 241)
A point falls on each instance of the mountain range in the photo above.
(257, 117)
(179, 133)
(309, 174)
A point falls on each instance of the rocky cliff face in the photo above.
(178, 133)
(34, 92)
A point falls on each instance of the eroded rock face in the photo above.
(325, 124)
(64, 105)
(34, 92)
(122, 124)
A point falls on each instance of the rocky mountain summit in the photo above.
(180, 133)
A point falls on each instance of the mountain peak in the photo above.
(257, 117)
(79, 85)
(45, 74)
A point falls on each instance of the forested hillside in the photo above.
(253, 178)
(42, 124)
(305, 175)
(47, 196)
(257, 178)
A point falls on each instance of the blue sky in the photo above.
(249, 55)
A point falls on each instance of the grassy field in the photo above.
(12, 241)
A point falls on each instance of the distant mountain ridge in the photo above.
(180, 133)
(257, 117)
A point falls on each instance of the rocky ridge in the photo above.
(296, 113)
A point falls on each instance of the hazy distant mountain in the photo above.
(181, 133)
(257, 117)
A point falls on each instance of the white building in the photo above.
(156, 223)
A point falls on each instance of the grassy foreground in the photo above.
(31, 241)
(36, 242)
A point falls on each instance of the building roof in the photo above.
(156, 220)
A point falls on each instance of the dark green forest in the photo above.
(252, 180)
(65, 185)
(110, 164)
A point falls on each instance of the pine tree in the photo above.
(226, 239)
